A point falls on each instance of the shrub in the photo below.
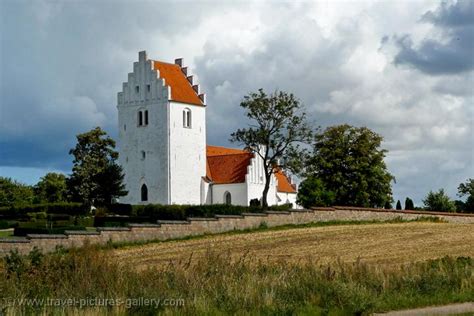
(49, 208)
(120, 209)
(153, 212)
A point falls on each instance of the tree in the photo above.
(439, 201)
(388, 205)
(276, 130)
(399, 205)
(312, 192)
(96, 177)
(51, 188)
(13, 192)
(350, 163)
(409, 204)
(467, 189)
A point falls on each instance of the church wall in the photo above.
(151, 139)
(238, 193)
(286, 197)
(255, 180)
(187, 153)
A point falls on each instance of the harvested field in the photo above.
(384, 243)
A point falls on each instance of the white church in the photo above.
(163, 149)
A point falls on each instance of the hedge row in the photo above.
(23, 231)
(181, 212)
(50, 208)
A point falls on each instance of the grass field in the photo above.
(387, 244)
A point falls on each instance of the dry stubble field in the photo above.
(384, 243)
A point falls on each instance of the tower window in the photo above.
(124, 127)
(227, 198)
(143, 153)
(187, 118)
(148, 87)
(144, 193)
(137, 89)
(146, 117)
(140, 118)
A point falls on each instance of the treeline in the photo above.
(96, 178)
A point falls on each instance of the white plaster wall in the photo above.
(187, 153)
(238, 193)
(153, 170)
(206, 192)
(255, 180)
(286, 197)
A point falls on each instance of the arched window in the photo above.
(140, 118)
(187, 118)
(144, 192)
(146, 117)
(227, 198)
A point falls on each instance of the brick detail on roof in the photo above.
(181, 89)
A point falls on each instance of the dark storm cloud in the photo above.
(455, 21)
(62, 64)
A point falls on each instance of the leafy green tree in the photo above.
(51, 188)
(96, 177)
(350, 163)
(13, 192)
(312, 192)
(399, 205)
(467, 189)
(388, 205)
(277, 128)
(439, 201)
(409, 204)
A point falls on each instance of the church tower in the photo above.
(162, 134)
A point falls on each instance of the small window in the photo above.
(140, 118)
(148, 87)
(146, 117)
(143, 155)
(227, 198)
(124, 127)
(187, 118)
(137, 89)
(144, 193)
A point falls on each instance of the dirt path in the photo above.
(453, 309)
(388, 244)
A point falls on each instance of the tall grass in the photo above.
(217, 284)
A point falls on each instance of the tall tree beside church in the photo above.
(96, 177)
(277, 129)
(350, 163)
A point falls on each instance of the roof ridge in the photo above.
(236, 154)
(164, 62)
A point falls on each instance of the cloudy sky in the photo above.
(402, 68)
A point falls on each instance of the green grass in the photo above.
(6, 233)
(223, 286)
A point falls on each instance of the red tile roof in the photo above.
(284, 184)
(181, 89)
(229, 165)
